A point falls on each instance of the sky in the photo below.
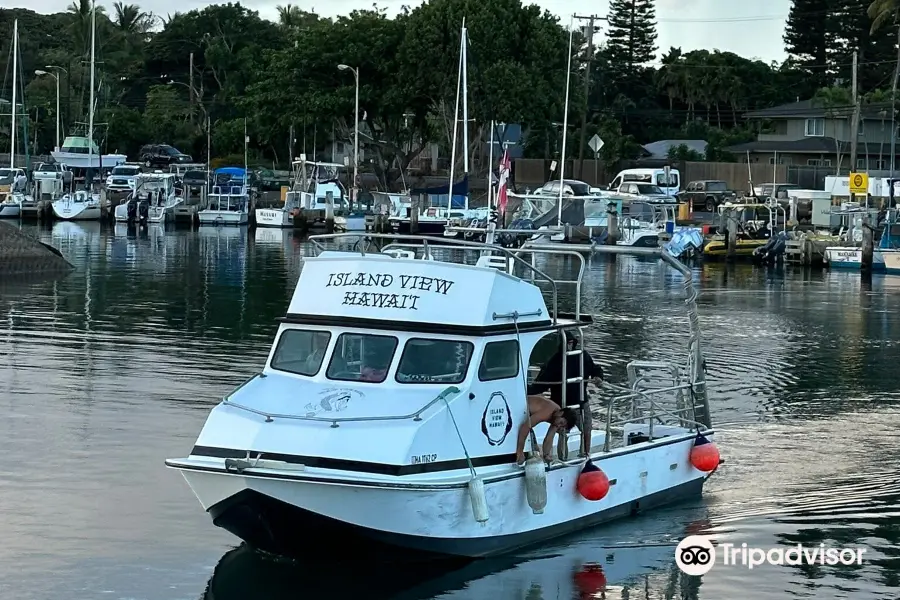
(750, 29)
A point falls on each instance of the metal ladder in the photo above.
(563, 447)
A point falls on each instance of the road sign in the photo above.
(859, 183)
(596, 143)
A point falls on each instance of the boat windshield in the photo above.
(300, 351)
(361, 357)
(434, 361)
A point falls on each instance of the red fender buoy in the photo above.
(704, 455)
(590, 580)
(593, 484)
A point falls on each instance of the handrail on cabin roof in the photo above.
(467, 245)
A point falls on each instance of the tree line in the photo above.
(161, 79)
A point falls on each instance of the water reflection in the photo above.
(113, 367)
(595, 564)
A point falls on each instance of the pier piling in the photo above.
(868, 246)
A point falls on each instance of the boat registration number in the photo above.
(268, 214)
(423, 459)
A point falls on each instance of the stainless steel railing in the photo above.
(415, 416)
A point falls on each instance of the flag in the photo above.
(504, 179)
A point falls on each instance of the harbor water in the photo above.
(114, 368)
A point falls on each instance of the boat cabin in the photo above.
(313, 184)
(156, 188)
(230, 191)
(369, 340)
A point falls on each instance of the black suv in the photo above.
(162, 155)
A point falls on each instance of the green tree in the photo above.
(632, 33)
(809, 38)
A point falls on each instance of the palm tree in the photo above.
(881, 11)
(132, 21)
(293, 17)
(80, 12)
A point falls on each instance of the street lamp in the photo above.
(55, 76)
(355, 130)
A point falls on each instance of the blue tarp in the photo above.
(437, 195)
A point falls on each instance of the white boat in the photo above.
(78, 152)
(387, 411)
(153, 201)
(314, 187)
(80, 205)
(11, 206)
(228, 203)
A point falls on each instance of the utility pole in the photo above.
(589, 34)
(191, 84)
(587, 87)
(854, 122)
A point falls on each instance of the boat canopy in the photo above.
(438, 194)
(233, 172)
(337, 286)
(77, 144)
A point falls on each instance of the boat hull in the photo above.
(280, 512)
(10, 211)
(74, 211)
(426, 227)
(850, 259)
(77, 160)
(745, 248)
(222, 217)
(269, 217)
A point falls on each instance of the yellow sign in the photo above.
(859, 183)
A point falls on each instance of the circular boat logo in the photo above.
(496, 422)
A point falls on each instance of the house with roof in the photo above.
(809, 133)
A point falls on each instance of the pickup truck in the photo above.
(707, 194)
(53, 171)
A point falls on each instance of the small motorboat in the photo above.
(388, 412)
(153, 200)
(11, 205)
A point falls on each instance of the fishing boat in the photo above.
(153, 200)
(228, 201)
(315, 189)
(80, 152)
(388, 412)
(80, 205)
(754, 224)
(886, 252)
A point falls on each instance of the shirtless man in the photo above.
(543, 410)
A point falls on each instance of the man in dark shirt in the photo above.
(551, 378)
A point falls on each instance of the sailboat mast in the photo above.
(562, 154)
(12, 129)
(91, 111)
(455, 121)
(465, 95)
(490, 180)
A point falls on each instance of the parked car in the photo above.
(122, 178)
(162, 155)
(53, 171)
(571, 187)
(8, 176)
(631, 190)
(707, 194)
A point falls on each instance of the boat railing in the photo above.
(363, 243)
(336, 421)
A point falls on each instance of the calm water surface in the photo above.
(114, 368)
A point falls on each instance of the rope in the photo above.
(459, 435)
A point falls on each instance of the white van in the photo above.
(669, 181)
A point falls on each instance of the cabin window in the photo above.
(361, 357)
(662, 180)
(434, 361)
(499, 361)
(300, 351)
